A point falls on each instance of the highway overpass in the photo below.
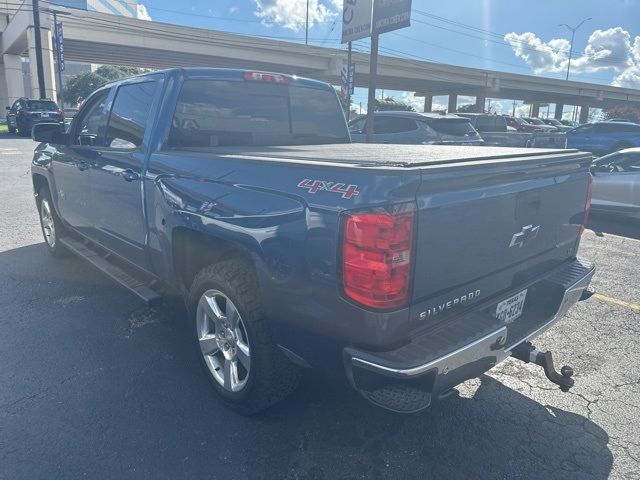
(107, 39)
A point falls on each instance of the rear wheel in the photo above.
(22, 130)
(50, 223)
(245, 367)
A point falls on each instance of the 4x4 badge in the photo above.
(314, 186)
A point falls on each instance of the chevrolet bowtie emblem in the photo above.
(524, 236)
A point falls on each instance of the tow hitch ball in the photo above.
(530, 354)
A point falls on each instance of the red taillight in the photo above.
(376, 258)
(587, 204)
(265, 77)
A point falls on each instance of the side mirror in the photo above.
(7, 107)
(49, 133)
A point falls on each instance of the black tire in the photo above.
(11, 129)
(22, 131)
(55, 247)
(271, 377)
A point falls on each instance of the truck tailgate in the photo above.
(485, 228)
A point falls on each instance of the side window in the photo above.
(357, 126)
(129, 115)
(484, 124)
(629, 163)
(91, 124)
(385, 124)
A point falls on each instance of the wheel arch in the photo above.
(193, 250)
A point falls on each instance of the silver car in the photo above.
(616, 182)
(416, 128)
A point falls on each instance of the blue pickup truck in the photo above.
(406, 269)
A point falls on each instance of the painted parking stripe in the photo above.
(603, 298)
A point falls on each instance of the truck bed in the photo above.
(391, 156)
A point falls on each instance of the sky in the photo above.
(505, 35)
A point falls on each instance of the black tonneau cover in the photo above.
(385, 155)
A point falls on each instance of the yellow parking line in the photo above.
(615, 301)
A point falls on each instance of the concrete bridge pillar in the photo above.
(558, 112)
(47, 63)
(453, 103)
(12, 79)
(428, 103)
(584, 114)
(535, 109)
(480, 101)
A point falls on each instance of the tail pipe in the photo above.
(528, 353)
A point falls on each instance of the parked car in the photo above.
(570, 123)
(415, 128)
(556, 123)
(540, 124)
(616, 183)
(405, 269)
(521, 125)
(484, 122)
(604, 137)
(25, 113)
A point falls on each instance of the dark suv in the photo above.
(484, 122)
(25, 113)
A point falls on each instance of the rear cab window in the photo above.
(212, 112)
(452, 126)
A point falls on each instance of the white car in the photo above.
(616, 182)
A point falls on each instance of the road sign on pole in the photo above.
(347, 78)
(356, 19)
(390, 15)
(60, 46)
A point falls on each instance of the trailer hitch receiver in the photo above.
(528, 353)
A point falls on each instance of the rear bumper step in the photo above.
(394, 380)
(102, 262)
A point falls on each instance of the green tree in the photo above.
(390, 103)
(627, 112)
(80, 86)
(467, 108)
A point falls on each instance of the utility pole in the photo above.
(39, 65)
(573, 33)
(371, 100)
(513, 114)
(306, 29)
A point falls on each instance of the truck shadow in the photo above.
(126, 380)
(603, 224)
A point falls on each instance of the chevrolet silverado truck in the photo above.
(406, 269)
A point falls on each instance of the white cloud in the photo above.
(606, 50)
(292, 13)
(142, 13)
(233, 10)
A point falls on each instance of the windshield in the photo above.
(451, 126)
(42, 105)
(213, 113)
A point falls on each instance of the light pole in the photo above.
(573, 32)
(306, 26)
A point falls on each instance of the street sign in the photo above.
(390, 15)
(347, 77)
(356, 19)
(60, 46)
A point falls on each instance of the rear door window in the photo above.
(212, 113)
(129, 115)
(390, 124)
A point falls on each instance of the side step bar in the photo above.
(135, 286)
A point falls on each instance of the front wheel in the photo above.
(245, 367)
(50, 223)
(11, 129)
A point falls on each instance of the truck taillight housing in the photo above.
(587, 204)
(377, 257)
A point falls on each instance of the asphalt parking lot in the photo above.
(94, 385)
